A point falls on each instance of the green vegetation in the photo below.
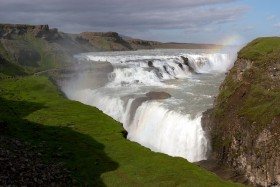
(89, 142)
(262, 104)
(260, 47)
(7, 67)
(230, 87)
(260, 85)
(27, 54)
(48, 58)
(10, 63)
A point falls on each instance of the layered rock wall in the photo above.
(10, 31)
(108, 41)
(244, 125)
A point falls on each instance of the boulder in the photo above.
(158, 95)
(153, 95)
(150, 64)
(186, 62)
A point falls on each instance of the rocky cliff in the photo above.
(244, 125)
(10, 31)
(142, 44)
(107, 41)
(31, 48)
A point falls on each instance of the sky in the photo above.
(186, 21)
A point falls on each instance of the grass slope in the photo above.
(8, 68)
(260, 82)
(89, 142)
(259, 48)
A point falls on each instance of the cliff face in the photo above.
(244, 125)
(10, 31)
(106, 41)
(142, 44)
(31, 48)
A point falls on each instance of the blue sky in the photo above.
(262, 19)
(191, 21)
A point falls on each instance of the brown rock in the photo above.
(158, 95)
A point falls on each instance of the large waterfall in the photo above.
(158, 95)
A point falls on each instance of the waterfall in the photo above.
(170, 125)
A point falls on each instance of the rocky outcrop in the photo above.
(10, 31)
(244, 124)
(157, 95)
(186, 62)
(153, 95)
(112, 41)
(37, 47)
(142, 44)
(106, 41)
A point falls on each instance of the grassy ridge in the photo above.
(7, 67)
(259, 48)
(10, 66)
(260, 82)
(89, 142)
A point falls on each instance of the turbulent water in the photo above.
(168, 125)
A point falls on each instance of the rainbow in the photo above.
(232, 40)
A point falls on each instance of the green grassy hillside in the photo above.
(260, 48)
(90, 143)
(259, 81)
(246, 117)
(26, 49)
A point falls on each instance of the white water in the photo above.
(170, 126)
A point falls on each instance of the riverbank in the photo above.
(90, 143)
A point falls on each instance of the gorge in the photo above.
(160, 97)
(136, 89)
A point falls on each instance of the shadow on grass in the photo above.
(83, 156)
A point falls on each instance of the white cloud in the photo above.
(271, 17)
(125, 16)
(277, 25)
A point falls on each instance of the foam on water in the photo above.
(171, 126)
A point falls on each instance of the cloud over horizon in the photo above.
(129, 17)
(277, 25)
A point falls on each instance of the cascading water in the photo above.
(162, 123)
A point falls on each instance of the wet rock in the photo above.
(186, 62)
(149, 96)
(124, 133)
(150, 64)
(180, 65)
(158, 95)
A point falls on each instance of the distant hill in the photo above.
(106, 41)
(174, 45)
(26, 49)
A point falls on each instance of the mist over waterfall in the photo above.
(158, 95)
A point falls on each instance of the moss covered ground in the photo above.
(7, 67)
(89, 142)
(259, 48)
(259, 88)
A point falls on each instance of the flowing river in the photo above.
(158, 95)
